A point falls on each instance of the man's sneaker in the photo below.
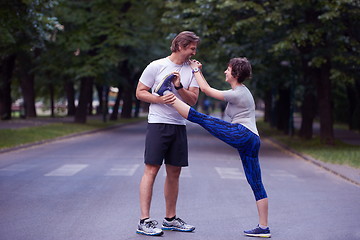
(177, 225)
(165, 84)
(258, 232)
(149, 228)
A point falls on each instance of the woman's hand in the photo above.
(195, 63)
(168, 98)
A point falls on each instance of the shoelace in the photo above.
(181, 221)
(151, 224)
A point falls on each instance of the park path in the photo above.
(86, 187)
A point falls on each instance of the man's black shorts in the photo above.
(166, 142)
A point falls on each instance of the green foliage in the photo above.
(25, 25)
(97, 38)
(98, 35)
(340, 153)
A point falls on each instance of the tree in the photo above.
(24, 28)
(103, 36)
(316, 38)
(319, 33)
(6, 71)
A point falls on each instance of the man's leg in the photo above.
(171, 189)
(146, 189)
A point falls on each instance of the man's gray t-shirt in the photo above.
(153, 74)
(241, 107)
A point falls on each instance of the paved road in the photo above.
(86, 187)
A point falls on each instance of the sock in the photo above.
(143, 220)
(263, 227)
(170, 219)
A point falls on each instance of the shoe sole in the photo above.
(171, 75)
(265, 235)
(149, 234)
(177, 229)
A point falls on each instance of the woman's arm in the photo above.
(204, 86)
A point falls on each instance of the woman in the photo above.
(241, 133)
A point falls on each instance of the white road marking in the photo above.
(123, 170)
(67, 170)
(230, 173)
(14, 169)
(282, 174)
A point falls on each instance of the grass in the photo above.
(15, 137)
(340, 153)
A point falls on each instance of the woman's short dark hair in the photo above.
(184, 39)
(240, 68)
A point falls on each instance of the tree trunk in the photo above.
(274, 107)
(356, 115)
(27, 80)
(70, 97)
(309, 106)
(137, 108)
(308, 111)
(353, 94)
(268, 106)
(6, 71)
(283, 110)
(28, 92)
(83, 105)
(90, 105)
(52, 103)
(105, 102)
(115, 112)
(127, 102)
(99, 90)
(128, 91)
(325, 104)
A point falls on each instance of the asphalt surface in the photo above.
(86, 187)
(346, 172)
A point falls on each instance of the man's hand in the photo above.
(176, 80)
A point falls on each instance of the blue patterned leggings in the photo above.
(246, 142)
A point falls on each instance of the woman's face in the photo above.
(228, 77)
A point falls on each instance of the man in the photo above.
(166, 132)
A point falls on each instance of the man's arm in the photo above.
(190, 96)
(143, 94)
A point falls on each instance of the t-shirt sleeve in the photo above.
(148, 76)
(230, 96)
(193, 82)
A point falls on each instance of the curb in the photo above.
(28, 145)
(332, 168)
